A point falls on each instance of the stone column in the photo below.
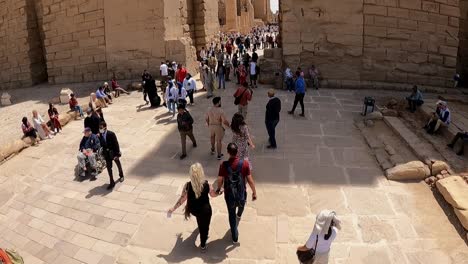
(231, 15)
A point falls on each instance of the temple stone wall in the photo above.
(74, 40)
(21, 56)
(405, 41)
(91, 40)
(462, 60)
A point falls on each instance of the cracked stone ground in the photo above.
(322, 162)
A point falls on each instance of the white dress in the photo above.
(38, 126)
(323, 246)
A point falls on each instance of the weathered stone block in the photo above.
(414, 170)
(411, 4)
(449, 10)
(455, 191)
(5, 99)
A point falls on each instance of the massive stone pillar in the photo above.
(206, 21)
(232, 19)
(262, 10)
(462, 58)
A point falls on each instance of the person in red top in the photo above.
(74, 106)
(229, 48)
(246, 95)
(235, 209)
(181, 74)
(242, 72)
(116, 87)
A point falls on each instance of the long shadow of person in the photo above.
(185, 249)
(98, 191)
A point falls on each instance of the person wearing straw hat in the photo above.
(317, 247)
(441, 117)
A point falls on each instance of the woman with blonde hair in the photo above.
(41, 127)
(196, 193)
(317, 247)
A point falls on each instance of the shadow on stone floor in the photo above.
(186, 249)
(98, 191)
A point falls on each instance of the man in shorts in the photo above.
(215, 119)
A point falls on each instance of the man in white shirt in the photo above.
(163, 71)
(171, 97)
(190, 86)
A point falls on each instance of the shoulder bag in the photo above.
(307, 256)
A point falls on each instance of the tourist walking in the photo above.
(314, 76)
(228, 68)
(220, 73)
(300, 93)
(181, 73)
(54, 118)
(209, 82)
(241, 137)
(319, 243)
(215, 119)
(171, 97)
(111, 151)
(190, 86)
(253, 69)
(181, 95)
(195, 192)
(235, 65)
(185, 126)
(92, 121)
(272, 117)
(146, 76)
(233, 175)
(289, 79)
(242, 97)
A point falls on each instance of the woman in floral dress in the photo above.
(241, 137)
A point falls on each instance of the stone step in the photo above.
(420, 147)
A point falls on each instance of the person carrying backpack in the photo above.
(233, 175)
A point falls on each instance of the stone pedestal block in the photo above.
(6, 99)
(65, 95)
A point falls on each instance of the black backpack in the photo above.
(234, 184)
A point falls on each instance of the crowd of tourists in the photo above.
(234, 58)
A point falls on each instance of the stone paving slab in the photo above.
(50, 217)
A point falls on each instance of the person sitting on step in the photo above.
(441, 117)
(464, 137)
(415, 99)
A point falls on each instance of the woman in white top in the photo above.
(325, 230)
(190, 86)
(41, 127)
(171, 96)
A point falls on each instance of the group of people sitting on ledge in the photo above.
(40, 129)
(441, 117)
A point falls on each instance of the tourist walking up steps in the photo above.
(185, 126)
(215, 119)
(272, 117)
(233, 175)
(300, 93)
(319, 243)
(112, 153)
(195, 192)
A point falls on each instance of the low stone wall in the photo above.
(18, 145)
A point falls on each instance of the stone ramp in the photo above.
(421, 148)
